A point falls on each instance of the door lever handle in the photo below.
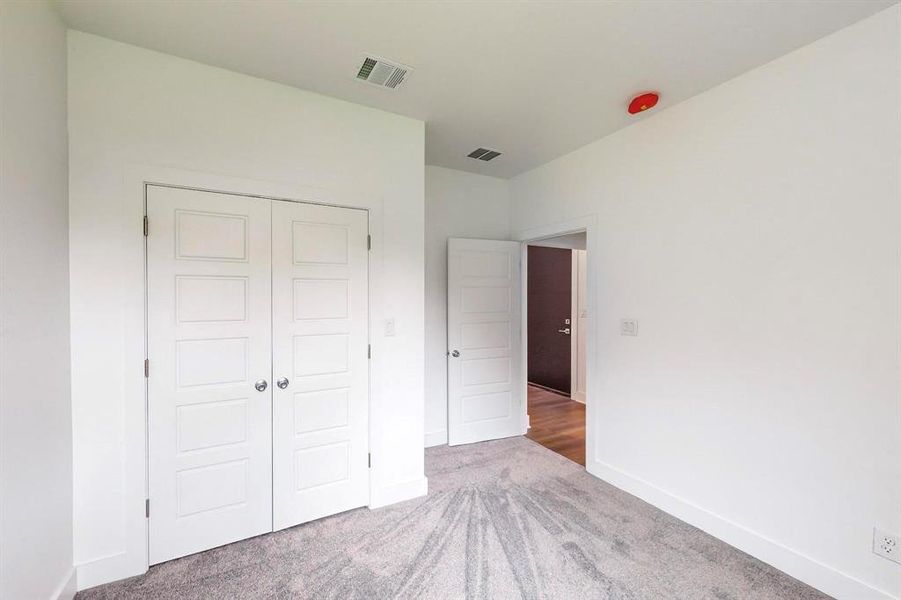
(566, 331)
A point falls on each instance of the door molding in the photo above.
(588, 224)
(577, 283)
(133, 558)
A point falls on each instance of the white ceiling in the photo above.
(533, 79)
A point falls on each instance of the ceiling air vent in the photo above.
(382, 73)
(484, 154)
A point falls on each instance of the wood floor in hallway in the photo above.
(557, 423)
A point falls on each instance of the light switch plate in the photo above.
(389, 327)
(628, 327)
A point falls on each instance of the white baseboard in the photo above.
(398, 492)
(816, 574)
(67, 587)
(107, 569)
(436, 438)
(578, 397)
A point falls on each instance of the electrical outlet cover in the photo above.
(887, 545)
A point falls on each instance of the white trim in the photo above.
(574, 326)
(436, 438)
(588, 224)
(133, 560)
(579, 259)
(67, 587)
(398, 492)
(806, 569)
(105, 569)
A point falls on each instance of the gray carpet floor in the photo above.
(503, 519)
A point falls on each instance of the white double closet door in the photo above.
(258, 386)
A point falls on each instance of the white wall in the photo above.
(457, 204)
(753, 231)
(132, 109)
(35, 409)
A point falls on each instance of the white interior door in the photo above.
(320, 361)
(484, 334)
(209, 308)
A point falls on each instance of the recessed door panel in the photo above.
(321, 465)
(211, 424)
(211, 487)
(316, 299)
(321, 410)
(321, 354)
(319, 243)
(210, 299)
(485, 336)
(320, 288)
(484, 300)
(209, 235)
(212, 361)
(209, 323)
(485, 407)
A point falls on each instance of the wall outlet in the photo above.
(628, 327)
(887, 545)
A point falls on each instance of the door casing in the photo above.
(588, 224)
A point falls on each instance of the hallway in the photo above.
(557, 423)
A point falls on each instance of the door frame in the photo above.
(576, 331)
(135, 465)
(588, 224)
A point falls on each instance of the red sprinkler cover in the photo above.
(643, 102)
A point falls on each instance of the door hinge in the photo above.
(146, 367)
(368, 350)
(369, 242)
(146, 226)
(147, 508)
(369, 460)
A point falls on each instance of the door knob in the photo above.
(261, 385)
(282, 383)
(566, 331)
(455, 353)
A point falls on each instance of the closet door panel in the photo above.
(209, 326)
(320, 341)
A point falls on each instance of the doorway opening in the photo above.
(556, 348)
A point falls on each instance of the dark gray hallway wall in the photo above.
(35, 402)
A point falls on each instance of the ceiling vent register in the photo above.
(382, 73)
(484, 154)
